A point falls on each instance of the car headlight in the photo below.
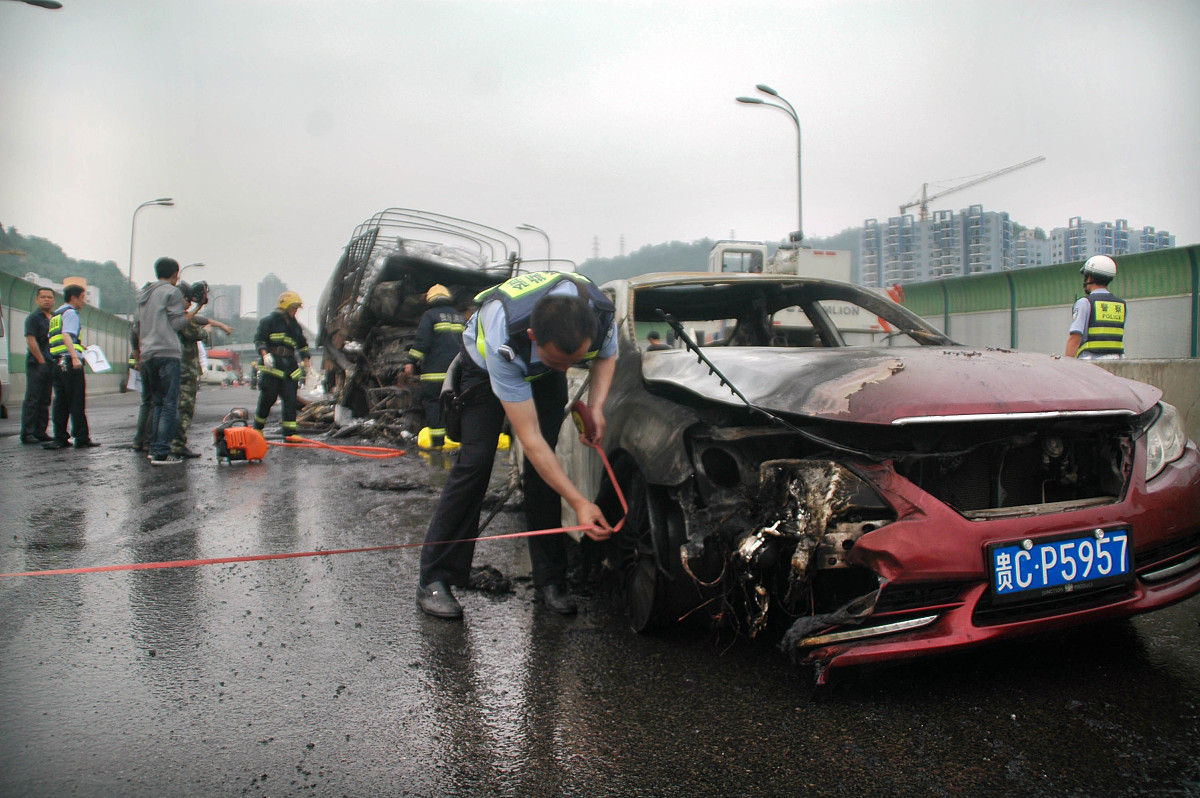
(1165, 441)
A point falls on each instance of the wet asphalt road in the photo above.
(318, 675)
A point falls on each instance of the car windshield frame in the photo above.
(744, 299)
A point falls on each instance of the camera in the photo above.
(198, 292)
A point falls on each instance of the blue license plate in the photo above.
(1031, 568)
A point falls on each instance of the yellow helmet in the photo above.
(437, 291)
(289, 298)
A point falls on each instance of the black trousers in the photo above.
(70, 390)
(271, 388)
(431, 393)
(457, 515)
(39, 389)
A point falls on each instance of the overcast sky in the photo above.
(279, 125)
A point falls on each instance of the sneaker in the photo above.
(186, 453)
(88, 444)
(436, 599)
(166, 459)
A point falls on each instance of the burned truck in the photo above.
(374, 300)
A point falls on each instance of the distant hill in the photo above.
(24, 254)
(680, 256)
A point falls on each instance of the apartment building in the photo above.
(974, 241)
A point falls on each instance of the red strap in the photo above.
(142, 566)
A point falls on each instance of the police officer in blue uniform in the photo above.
(70, 386)
(1098, 319)
(516, 351)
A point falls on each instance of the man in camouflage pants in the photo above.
(189, 376)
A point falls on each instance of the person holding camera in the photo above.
(162, 313)
(190, 372)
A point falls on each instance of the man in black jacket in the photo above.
(39, 371)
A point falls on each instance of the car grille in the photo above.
(905, 597)
(989, 614)
(991, 467)
(1153, 559)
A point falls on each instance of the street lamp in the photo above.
(190, 266)
(166, 201)
(534, 229)
(787, 108)
(51, 4)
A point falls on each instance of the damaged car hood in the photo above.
(890, 385)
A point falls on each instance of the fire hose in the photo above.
(583, 421)
(377, 452)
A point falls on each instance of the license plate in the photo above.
(1031, 568)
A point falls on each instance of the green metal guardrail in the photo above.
(1163, 273)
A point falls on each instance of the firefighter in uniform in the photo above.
(516, 351)
(1098, 319)
(439, 339)
(281, 345)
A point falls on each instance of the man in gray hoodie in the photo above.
(161, 313)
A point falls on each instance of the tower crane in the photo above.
(927, 198)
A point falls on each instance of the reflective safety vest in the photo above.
(60, 341)
(1106, 326)
(519, 294)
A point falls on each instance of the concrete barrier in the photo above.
(1178, 378)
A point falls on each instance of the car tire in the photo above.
(637, 566)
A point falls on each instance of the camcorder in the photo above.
(198, 293)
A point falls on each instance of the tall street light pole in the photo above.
(534, 229)
(787, 108)
(165, 201)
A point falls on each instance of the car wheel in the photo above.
(637, 568)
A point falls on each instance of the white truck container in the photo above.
(730, 255)
(733, 256)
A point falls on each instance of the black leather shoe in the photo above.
(43, 437)
(88, 444)
(29, 439)
(187, 454)
(436, 599)
(55, 445)
(557, 600)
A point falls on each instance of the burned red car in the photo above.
(812, 457)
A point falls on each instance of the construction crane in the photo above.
(926, 198)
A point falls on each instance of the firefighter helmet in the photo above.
(1100, 266)
(289, 299)
(436, 291)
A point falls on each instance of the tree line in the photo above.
(21, 254)
(679, 256)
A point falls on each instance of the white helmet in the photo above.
(1100, 266)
